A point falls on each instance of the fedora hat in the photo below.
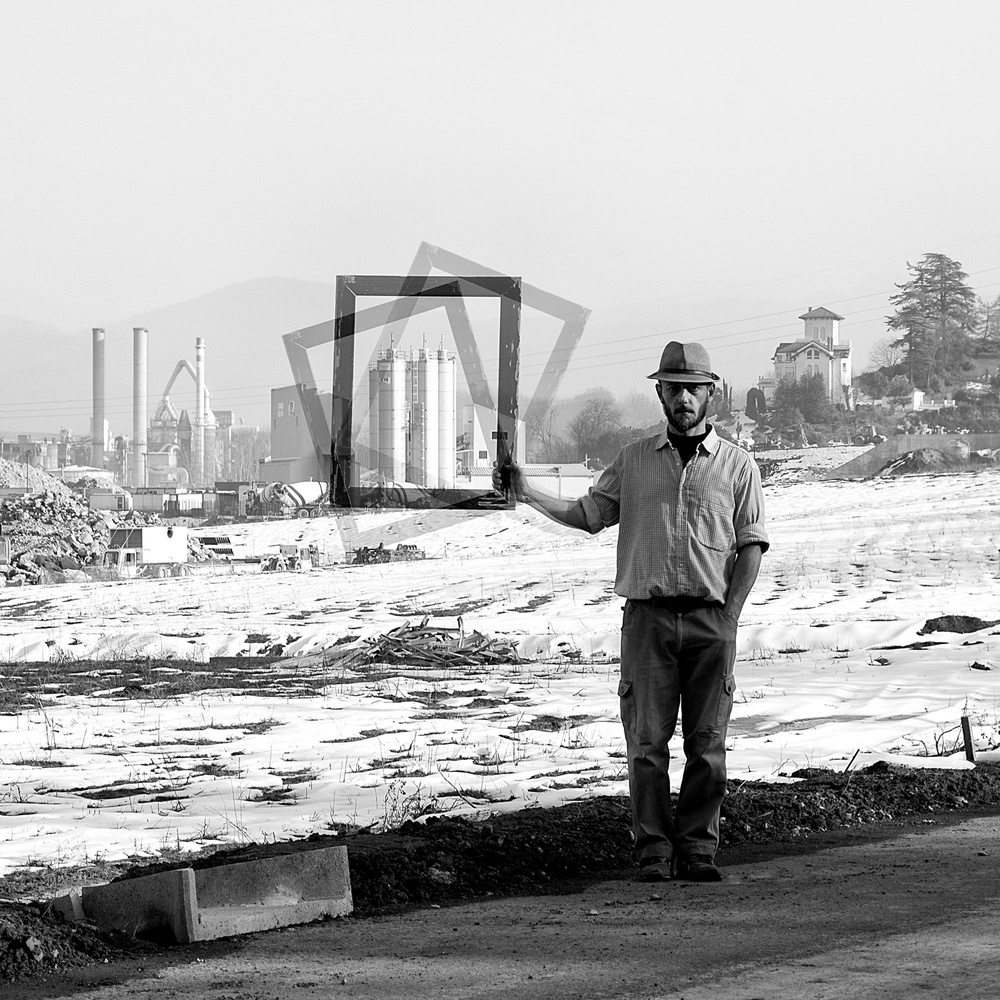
(685, 363)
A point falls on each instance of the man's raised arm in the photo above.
(512, 482)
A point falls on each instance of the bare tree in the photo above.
(886, 353)
(641, 409)
(542, 436)
(249, 446)
(598, 420)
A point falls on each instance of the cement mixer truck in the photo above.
(308, 499)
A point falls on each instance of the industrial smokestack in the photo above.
(198, 424)
(97, 437)
(139, 419)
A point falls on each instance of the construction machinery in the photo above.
(367, 555)
(306, 499)
(867, 434)
(293, 558)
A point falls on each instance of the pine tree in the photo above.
(935, 318)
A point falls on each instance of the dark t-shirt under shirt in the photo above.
(686, 446)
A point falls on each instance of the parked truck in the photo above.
(305, 499)
(148, 551)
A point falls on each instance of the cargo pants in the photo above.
(676, 663)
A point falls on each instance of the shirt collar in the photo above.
(710, 443)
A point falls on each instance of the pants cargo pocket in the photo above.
(627, 701)
(726, 693)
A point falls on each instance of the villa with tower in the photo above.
(818, 351)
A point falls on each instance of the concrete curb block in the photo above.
(188, 905)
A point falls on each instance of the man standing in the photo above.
(690, 511)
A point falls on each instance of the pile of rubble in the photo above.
(48, 531)
(49, 534)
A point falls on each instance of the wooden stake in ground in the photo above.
(970, 750)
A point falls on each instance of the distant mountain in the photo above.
(37, 376)
(46, 376)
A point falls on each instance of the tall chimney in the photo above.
(198, 424)
(139, 419)
(97, 439)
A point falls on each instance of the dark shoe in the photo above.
(654, 869)
(697, 868)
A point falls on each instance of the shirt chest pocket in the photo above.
(713, 525)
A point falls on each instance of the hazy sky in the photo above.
(609, 152)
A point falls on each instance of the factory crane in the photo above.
(166, 412)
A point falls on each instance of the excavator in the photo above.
(867, 434)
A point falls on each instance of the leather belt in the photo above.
(679, 605)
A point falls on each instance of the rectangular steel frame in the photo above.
(415, 293)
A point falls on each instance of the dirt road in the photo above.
(913, 913)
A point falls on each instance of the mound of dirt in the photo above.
(921, 461)
(34, 941)
(955, 623)
(449, 859)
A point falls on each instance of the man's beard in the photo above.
(684, 420)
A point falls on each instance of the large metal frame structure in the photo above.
(345, 486)
(414, 294)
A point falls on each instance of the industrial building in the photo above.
(174, 448)
(293, 455)
(39, 450)
(411, 418)
(478, 446)
(412, 431)
(408, 433)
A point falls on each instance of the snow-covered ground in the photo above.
(831, 665)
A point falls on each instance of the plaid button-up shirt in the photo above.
(680, 525)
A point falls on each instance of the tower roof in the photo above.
(820, 312)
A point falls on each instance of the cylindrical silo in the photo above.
(446, 418)
(210, 457)
(392, 416)
(97, 434)
(427, 414)
(374, 376)
(139, 417)
(416, 469)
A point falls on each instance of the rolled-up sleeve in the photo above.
(748, 514)
(601, 503)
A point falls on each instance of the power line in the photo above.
(251, 394)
